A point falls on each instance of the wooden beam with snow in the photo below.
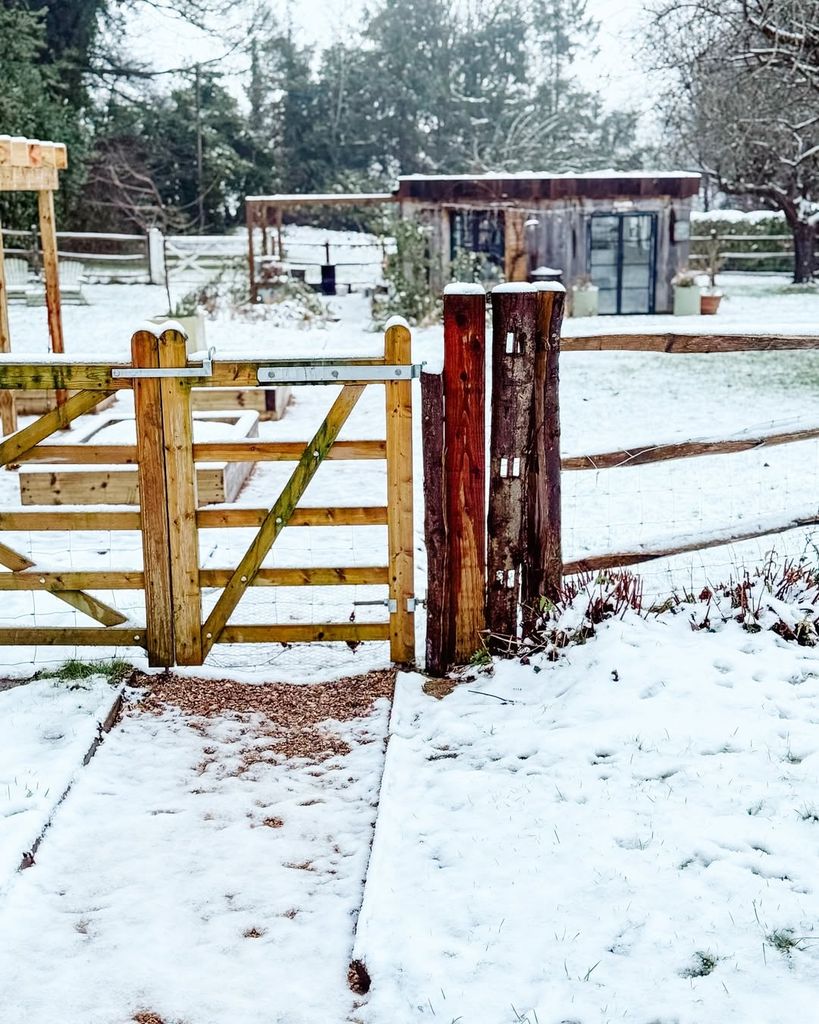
(648, 552)
(625, 458)
(689, 344)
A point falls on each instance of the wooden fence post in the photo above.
(464, 386)
(153, 503)
(401, 538)
(51, 272)
(543, 566)
(8, 412)
(180, 474)
(440, 653)
(514, 327)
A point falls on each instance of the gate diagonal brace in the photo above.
(78, 599)
(279, 515)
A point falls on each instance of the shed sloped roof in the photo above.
(532, 186)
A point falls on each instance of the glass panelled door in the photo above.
(621, 261)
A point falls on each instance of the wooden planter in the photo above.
(118, 484)
(269, 404)
(687, 300)
(709, 304)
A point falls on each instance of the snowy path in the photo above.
(193, 875)
(46, 729)
(632, 838)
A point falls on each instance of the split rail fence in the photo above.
(169, 516)
(495, 553)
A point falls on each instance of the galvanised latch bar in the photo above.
(338, 374)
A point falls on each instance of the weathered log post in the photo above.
(439, 644)
(456, 531)
(514, 328)
(543, 566)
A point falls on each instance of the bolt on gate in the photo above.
(169, 516)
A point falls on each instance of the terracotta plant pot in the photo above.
(709, 304)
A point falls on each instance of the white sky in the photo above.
(614, 70)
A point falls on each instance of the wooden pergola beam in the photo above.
(31, 165)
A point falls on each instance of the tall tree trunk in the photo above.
(804, 260)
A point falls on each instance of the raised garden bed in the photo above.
(44, 484)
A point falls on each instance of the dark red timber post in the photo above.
(514, 328)
(456, 528)
(543, 566)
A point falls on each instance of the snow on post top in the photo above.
(513, 286)
(464, 288)
(396, 321)
(159, 324)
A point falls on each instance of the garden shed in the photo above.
(627, 231)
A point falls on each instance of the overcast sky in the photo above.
(613, 71)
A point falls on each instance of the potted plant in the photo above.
(585, 295)
(686, 293)
(712, 296)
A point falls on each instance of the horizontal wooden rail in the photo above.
(354, 632)
(211, 451)
(689, 344)
(216, 518)
(37, 520)
(69, 636)
(50, 581)
(322, 577)
(627, 457)
(31, 580)
(284, 451)
(97, 376)
(647, 553)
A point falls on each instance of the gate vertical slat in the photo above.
(401, 538)
(180, 474)
(153, 503)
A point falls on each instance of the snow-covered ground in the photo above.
(626, 834)
(46, 728)
(195, 875)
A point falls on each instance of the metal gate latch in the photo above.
(171, 371)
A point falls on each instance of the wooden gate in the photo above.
(169, 517)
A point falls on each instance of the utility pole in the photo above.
(199, 151)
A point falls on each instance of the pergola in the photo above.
(28, 165)
(266, 213)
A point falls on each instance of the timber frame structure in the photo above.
(29, 165)
(177, 631)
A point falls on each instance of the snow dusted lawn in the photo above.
(628, 834)
(46, 728)
(196, 876)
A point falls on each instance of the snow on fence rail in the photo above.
(498, 594)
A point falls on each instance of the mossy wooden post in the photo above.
(153, 502)
(543, 566)
(514, 320)
(180, 475)
(397, 351)
(8, 413)
(51, 272)
(465, 463)
(251, 256)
